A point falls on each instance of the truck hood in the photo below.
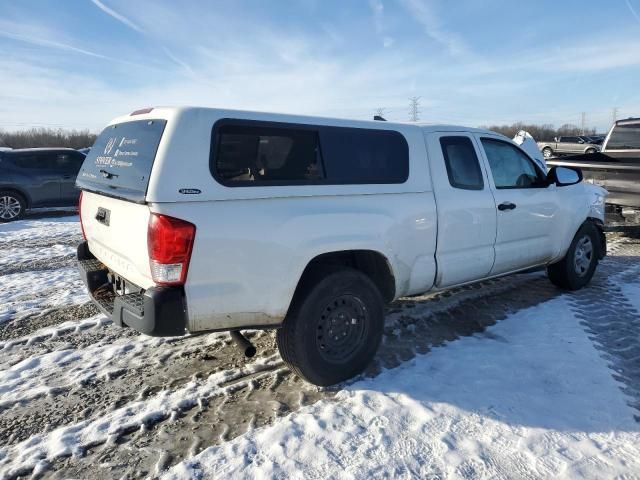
(529, 145)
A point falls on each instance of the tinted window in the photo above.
(248, 152)
(358, 155)
(624, 137)
(34, 161)
(462, 163)
(267, 154)
(120, 160)
(569, 139)
(68, 162)
(510, 167)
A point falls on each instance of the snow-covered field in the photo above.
(509, 379)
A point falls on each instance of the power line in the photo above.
(414, 109)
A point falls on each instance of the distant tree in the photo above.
(47, 137)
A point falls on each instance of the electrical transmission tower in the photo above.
(380, 111)
(414, 109)
(583, 122)
(614, 115)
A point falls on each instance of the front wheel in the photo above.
(12, 206)
(577, 267)
(334, 327)
(590, 151)
(547, 152)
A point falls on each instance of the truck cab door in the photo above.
(465, 208)
(527, 209)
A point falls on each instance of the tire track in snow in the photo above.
(52, 263)
(613, 322)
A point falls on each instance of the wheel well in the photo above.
(25, 197)
(371, 263)
(602, 250)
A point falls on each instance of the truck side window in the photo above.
(256, 153)
(267, 154)
(463, 167)
(510, 167)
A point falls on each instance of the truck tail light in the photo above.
(169, 241)
(80, 213)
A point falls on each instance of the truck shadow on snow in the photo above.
(553, 365)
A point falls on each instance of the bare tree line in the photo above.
(47, 137)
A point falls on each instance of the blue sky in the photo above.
(78, 63)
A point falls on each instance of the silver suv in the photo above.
(567, 146)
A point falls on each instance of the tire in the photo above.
(590, 151)
(577, 267)
(333, 328)
(547, 152)
(12, 206)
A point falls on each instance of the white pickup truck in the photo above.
(201, 219)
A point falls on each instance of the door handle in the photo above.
(506, 206)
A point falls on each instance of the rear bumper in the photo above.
(158, 311)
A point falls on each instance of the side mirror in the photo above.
(564, 176)
(556, 139)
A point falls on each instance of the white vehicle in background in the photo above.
(201, 220)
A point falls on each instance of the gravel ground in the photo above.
(107, 368)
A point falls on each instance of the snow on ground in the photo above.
(19, 254)
(39, 450)
(30, 229)
(528, 398)
(632, 292)
(24, 293)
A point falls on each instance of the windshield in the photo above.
(120, 161)
(624, 137)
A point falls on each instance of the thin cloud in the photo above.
(179, 62)
(377, 10)
(121, 18)
(424, 14)
(43, 42)
(633, 10)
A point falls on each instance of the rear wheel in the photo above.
(12, 206)
(577, 267)
(547, 152)
(590, 150)
(334, 327)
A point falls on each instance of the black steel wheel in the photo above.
(579, 264)
(333, 328)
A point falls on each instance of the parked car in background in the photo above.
(201, 219)
(567, 145)
(616, 168)
(37, 177)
